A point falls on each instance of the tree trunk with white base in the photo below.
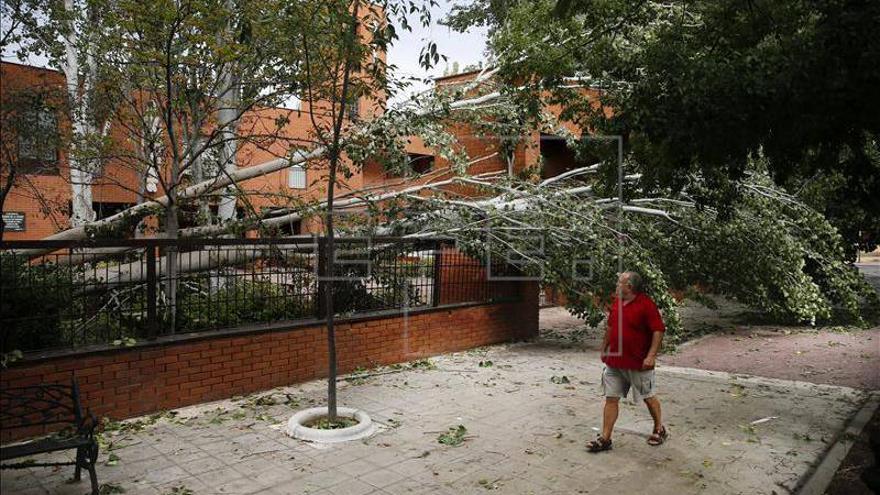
(81, 175)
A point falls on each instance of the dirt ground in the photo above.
(835, 357)
(732, 342)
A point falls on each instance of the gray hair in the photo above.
(635, 281)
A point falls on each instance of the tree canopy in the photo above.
(697, 88)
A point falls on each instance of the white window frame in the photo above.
(296, 177)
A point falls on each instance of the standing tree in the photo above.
(343, 81)
(65, 33)
(189, 83)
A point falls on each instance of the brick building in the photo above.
(545, 155)
(536, 153)
(38, 203)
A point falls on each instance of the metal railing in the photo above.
(117, 292)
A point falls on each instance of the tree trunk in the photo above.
(227, 117)
(334, 155)
(80, 176)
(81, 195)
(171, 226)
(328, 296)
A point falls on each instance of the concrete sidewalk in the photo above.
(525, 434)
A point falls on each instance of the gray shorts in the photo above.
(616, 382)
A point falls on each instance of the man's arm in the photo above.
(650, 359)
(606, 340)
(654, 321)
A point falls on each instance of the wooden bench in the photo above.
(49, 405)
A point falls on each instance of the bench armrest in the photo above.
(88, 424)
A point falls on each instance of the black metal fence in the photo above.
(117, 292)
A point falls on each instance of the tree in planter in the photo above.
(341, 44)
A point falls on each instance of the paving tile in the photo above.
(239, 486)
(139, 469)
(255, 465)
(278, 475)
(136, 452)
(524, 486)
(191, 483)
(295, 487)
(332, 459)
(165, 475)
(381, 478)
(324, 479)
(386, 456)
(411, 467)
(205, 436)
(219, 477)
(415, 487)
(201, 465)
(352, 487)
(34, 489)
(21, 479)
(357, 467)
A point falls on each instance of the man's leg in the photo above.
(644, 383)
(609, 416)
(654, 407)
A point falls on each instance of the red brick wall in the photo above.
(122, 383)
(462, 278)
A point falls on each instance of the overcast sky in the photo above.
(466, 49)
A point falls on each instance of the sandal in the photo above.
(658, 437)
(598, 445)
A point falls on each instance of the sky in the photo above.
(466, 49)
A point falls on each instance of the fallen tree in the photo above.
(768, 250)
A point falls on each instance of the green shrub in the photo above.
(34, 301)
(239, 302)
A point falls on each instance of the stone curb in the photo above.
(816, 481)
(363, 429)
(726, 376)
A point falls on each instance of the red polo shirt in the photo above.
(640, 320)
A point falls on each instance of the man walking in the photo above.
(629, 349)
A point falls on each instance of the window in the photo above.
(296, 177)
(38, 142)
(352, 109)
(421, 164)
(293, 227)
(106, 209)
(292, 103)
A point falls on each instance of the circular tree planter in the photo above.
(296, 425)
